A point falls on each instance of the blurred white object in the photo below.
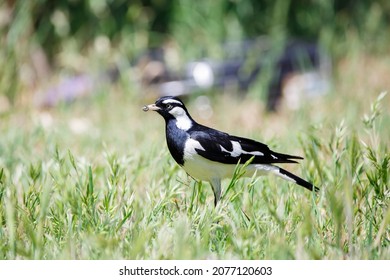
(300, 87)
(203, 75)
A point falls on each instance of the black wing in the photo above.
(221, 147)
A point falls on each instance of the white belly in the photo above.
(203, 169)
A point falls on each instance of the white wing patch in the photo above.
(237, 150)
(166, 101)
(189, 148)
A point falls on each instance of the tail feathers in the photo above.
(288, 175)
(285, 158)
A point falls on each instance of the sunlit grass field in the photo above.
(94, 180)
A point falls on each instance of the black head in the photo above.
(169, 107)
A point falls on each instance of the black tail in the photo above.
(285, 158)
(299, 180)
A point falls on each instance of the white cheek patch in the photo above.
(172, 101)
(177, 111)
(182, 120)
(237, 150)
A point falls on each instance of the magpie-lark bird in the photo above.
(211, 155)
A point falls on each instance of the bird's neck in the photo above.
(184, 122)
(176, 139)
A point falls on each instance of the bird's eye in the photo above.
(168, 106)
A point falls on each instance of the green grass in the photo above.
(94, 180)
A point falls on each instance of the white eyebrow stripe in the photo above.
(237, 150)
(166, 101)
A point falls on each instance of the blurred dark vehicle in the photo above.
(241, 65)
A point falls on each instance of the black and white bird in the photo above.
(210, 155)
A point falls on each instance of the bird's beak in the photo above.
(151, 107)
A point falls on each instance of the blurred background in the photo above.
(60, 51)
(85, 173)
(253, 67)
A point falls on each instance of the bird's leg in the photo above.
(216, 186)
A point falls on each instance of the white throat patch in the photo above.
(182, 120)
